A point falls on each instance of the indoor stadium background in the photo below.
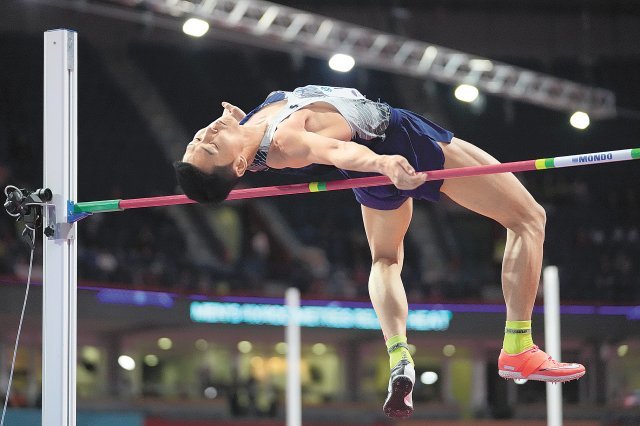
(147, 353)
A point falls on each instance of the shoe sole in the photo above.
(553, 379)
(395, 406)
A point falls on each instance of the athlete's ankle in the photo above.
(398, 350)
(517, 337)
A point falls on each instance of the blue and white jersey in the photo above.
(368, 119)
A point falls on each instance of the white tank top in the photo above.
(367, 119)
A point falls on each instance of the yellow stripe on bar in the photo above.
(317, 186)
(541, 164)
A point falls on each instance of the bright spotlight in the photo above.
(580, 120)
(195, 27)
(341, 62)
(126, 362)
(466, 93)
(429, 377)
(520, 381)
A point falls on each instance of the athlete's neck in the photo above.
(253, 134)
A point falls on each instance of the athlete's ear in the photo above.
(240, 165)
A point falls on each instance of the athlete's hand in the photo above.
(401, 173)
(233, 111)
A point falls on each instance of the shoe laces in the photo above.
(535, 348)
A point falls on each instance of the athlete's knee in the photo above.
(386, 261)
(529, 219)
(386, 267)
(387, 258)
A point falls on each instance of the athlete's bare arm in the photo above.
(298, 148)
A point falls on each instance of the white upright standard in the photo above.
(294, 402)
(551, 283)
(59, 258)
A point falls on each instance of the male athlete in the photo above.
(320, 125)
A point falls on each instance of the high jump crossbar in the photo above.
(89, 207)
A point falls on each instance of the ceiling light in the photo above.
(341, 62)
(195, 27)
(580, 120)
(466, 93)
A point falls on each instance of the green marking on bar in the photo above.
(97, 206)
(549, 163)
(635, 153)
(317, 186)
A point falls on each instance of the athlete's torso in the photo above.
(337, 113)
(320, 118)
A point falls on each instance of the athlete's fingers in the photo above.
(228, 107)
(417, 180)
(404, 165)
(402, 173)
(408, 168)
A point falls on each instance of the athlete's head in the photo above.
(213, 161)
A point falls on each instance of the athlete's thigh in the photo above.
(386, 230)
(499, 196)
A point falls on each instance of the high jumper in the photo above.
(318, 126)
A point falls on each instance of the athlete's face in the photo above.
(219, 144)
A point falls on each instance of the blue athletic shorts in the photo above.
(414, 137)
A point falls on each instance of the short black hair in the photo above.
(203, 187)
